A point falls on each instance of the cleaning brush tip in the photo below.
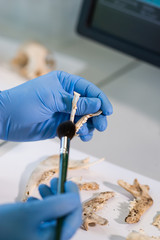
(67, 129)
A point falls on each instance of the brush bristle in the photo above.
(67, 129)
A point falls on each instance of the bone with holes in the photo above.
(141, 203)
(89, 217)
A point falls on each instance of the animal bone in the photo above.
(46, 169)
(92, 219)
(84, 119)
(88, 186)
(142, 200)
(74, 106)
(156, 221)
(32, 60)
(90, 207)
(140, 236)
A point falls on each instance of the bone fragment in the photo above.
(33, 60)
(142, 200)
(74, 106)
(140, 236)
(84, 119)
(156, 221)
(46, 169)
(88, 186)
(89, 217)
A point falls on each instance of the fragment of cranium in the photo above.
(156, 221)
(142, 200)
(33, 60)
(89, 217)
(46, 170)
(140, 236)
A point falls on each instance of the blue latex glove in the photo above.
(73, 221)
(35, 220)
(32, 111)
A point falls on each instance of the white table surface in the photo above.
(19, 161)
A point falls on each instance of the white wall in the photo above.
(42, 20)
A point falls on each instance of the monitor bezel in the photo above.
(84, 28)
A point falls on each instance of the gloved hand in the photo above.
(32, 111)
(35, 220)
(74, 220)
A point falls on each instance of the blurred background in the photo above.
(132, 139)
(44, 21)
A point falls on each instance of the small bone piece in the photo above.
(142, 200)
(84, 119)
(88, 186)
(156, 222)
(74, 106)
(33, 60)
(140, 236)
(46, 169)
(90, 207)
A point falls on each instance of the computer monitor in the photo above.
(131, 26)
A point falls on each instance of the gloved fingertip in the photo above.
(100, 122)
(107, 108)
(110, 111)
(41, 186)
(83, 130)
(86, 138)
(87, 105)
(54, 185)
(44, 190)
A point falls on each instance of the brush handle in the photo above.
(63, 166)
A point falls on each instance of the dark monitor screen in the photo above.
(132, 26)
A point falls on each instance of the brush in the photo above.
(65, 132)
